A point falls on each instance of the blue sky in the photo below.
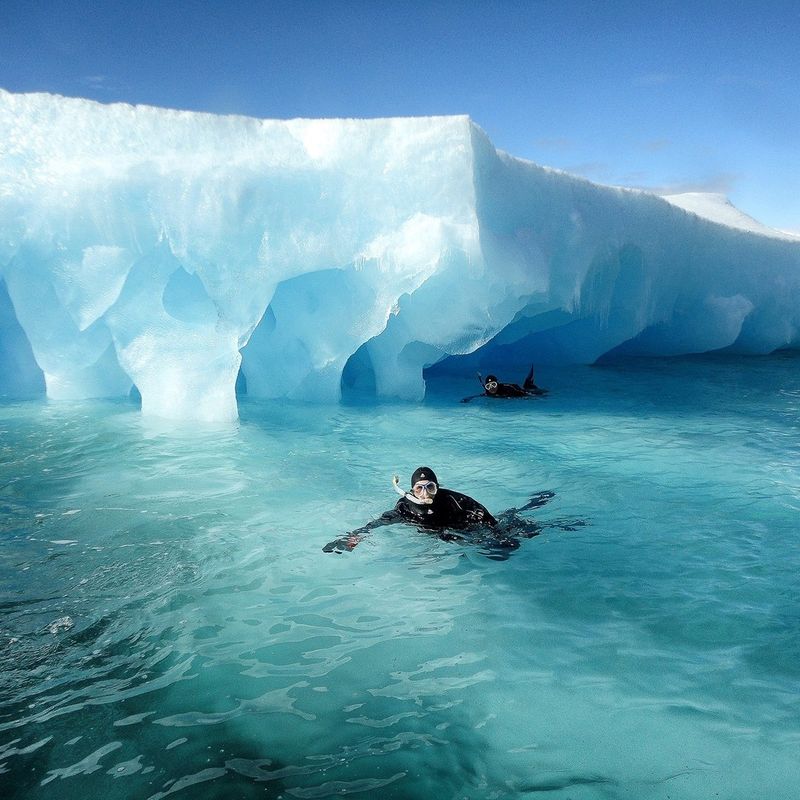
(683, 96)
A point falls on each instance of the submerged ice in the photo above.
(183, 255)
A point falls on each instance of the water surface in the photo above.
(170, 625)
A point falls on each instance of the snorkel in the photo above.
(410, 495)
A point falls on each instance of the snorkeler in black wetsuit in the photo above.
(433, 507)
(493, 388)
(426, 505)
(443, 511)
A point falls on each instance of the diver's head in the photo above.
(424, 485)
(490, 384)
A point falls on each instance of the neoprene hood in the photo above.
(423, 474)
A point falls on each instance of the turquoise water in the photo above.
(170, 625)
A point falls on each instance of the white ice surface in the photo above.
(717, 208)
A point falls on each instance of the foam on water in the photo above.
(171, 626)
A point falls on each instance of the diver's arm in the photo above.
(473, 396)
(387, 518)
(350, 540)
(481, 514)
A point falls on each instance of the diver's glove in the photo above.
(343, 544)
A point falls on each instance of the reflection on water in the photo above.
(171, 626)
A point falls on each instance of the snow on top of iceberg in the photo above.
(718, 208)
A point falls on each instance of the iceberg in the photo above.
(185, 256)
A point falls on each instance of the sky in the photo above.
(670, 96)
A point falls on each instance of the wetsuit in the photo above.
(455, 517)
(514, 389)
(493, 388)
(449, 509)
(509, 390)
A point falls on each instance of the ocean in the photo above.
(171, 626)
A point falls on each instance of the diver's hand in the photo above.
(343, 544)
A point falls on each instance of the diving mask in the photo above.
(425, 486)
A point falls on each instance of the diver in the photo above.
(426, 505)
(451, 515)
(493, 388)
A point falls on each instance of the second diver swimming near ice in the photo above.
(494, 388)
(451, 515)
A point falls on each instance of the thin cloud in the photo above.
(99, 84)
(743, 81)
(657, 145)
(93, 80)
(722, 183)
(654, 79)
(593, 170)
(558, 143)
